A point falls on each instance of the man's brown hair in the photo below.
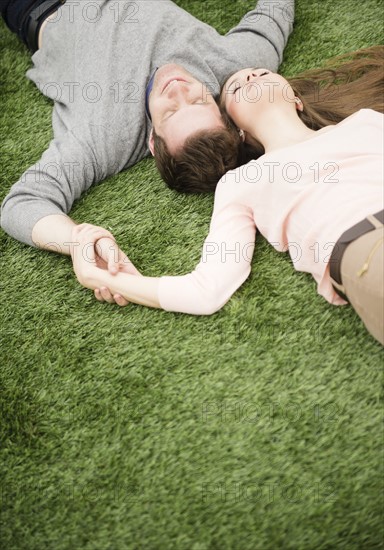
(203, 159)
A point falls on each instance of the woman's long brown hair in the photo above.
(344, 85)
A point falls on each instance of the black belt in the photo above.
(36, 18)
(353, 233)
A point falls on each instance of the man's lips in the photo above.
(170, 80)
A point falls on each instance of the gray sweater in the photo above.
(94, 64)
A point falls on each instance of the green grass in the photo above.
(259, 428)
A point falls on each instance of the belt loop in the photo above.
(340, 290)
(375, 221)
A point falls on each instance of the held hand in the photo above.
(117, 262)
(82, 248)
(93, 250)
(109, 256)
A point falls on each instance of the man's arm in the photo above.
(262, 34)
(48, 189)
(35, 210)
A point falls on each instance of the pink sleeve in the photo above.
(225, 261)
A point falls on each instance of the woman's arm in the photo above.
(226, 256)
(224, 265)
(139, 290)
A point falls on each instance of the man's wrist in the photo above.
(53, 233)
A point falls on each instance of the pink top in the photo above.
(301, 198)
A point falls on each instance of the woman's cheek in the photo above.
(236, 112)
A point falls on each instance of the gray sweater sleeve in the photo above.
(66, 169)
(262, 34)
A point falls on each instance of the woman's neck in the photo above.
(276, 130)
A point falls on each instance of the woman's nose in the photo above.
(256, 73)
(253, 74)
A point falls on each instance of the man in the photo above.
(94, 60)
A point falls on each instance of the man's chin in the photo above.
(168, 72)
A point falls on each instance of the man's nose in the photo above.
(179, 90)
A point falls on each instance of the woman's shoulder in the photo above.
(362, 116)
(369, 114)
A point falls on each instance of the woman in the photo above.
(316, 191)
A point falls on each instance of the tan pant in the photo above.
(362, 275)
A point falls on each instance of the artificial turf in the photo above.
(257, 428)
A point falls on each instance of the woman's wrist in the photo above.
(136, 289)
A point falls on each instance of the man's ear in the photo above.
(151, 143)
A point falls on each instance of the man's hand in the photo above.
(94, 246)
(117, 262)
